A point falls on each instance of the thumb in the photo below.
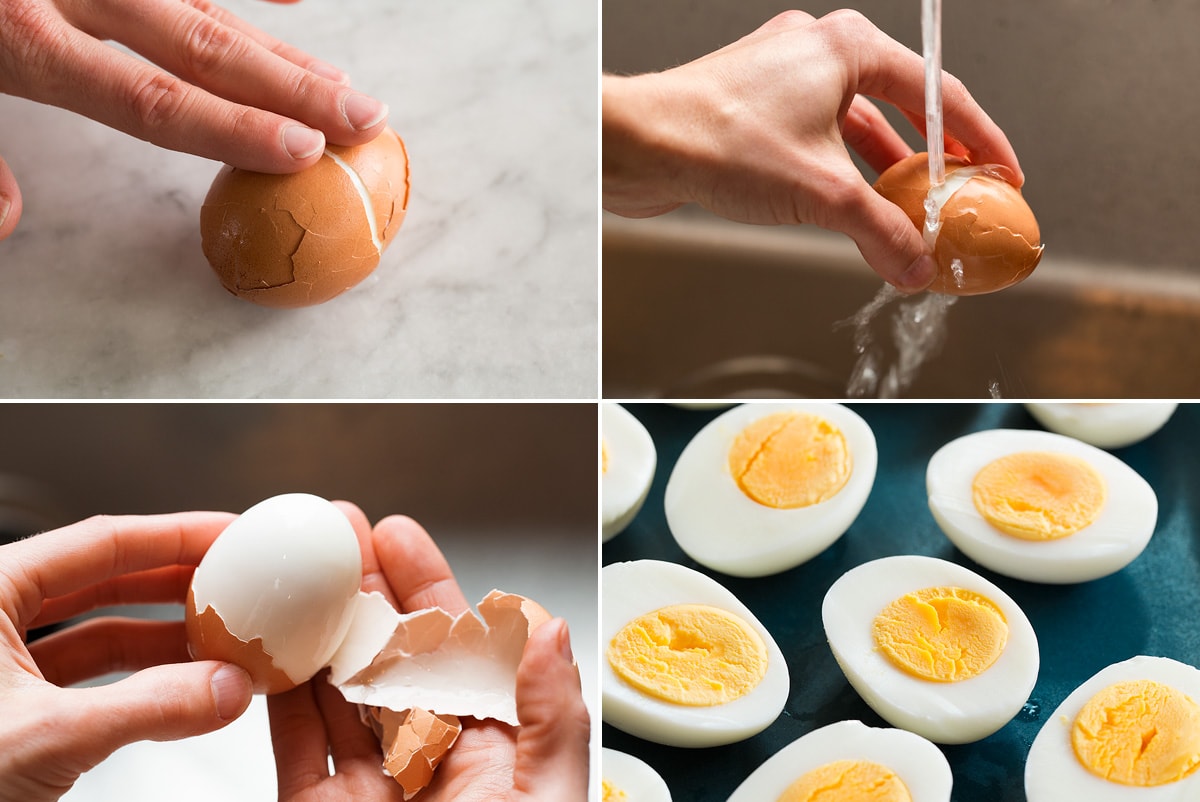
(888, 240)
(161, 703)
(552, 744)
(10, 200)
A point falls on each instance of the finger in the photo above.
(872, 137)
(949, 144)
(90, 552)
(299, 739)
(415, 568)
(373, 576)
(166, 585)
(216, 57)
(351, 743)
(100, 646)
(552, 744)
(10, 200)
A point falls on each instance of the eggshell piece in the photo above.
(209, 638)
(414, 743)
(989, 238)
(304, 238)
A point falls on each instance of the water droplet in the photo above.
(1030, 711)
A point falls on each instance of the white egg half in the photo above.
(1108, 544)
(721, 527)
(632, 589)
(944, 712)
(1054, 774)
(919, 764)
(1113, 425)
(629, 460)
(633, 777)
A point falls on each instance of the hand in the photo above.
(757, 132)
(50, 734)
(225, 90)
(543, 760)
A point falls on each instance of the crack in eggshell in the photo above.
(209, 639)
(414, 743)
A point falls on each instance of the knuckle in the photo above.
(158, 100)
(849, 23)
(208, 46)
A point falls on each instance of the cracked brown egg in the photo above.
(304, 238)
(988, 238)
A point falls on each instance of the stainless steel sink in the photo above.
(702, 308)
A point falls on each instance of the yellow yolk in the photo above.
(848, 781)
(941, 634)
(1138, 733)
(789, 459)
(603, 457)
(1039, 496)
(689, 654)
(612, 793)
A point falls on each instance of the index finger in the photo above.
(415, 568)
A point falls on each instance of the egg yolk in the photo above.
(612, 793)
(788, 460)
(1138, 733)
(942, 634)
(603, 457)
(1039, 496)
(848, 781)
(689, 654)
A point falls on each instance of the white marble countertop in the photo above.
(490, 290)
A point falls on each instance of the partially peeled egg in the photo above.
(988, 238)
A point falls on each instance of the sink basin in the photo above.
(701, 308)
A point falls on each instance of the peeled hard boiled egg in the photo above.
(304, 238)
(627, 458)
(1039, 506)
(686, 663)
(765, 487)
(625, 778)
(1131, 733)
(275, 593)
(931, 646)
(1104, 425)
(988, 238)
(851, 762)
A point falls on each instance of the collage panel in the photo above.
(905, 601)
(330, 518)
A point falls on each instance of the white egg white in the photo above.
(1113, 425)
(917, 762)
(720, 527)
(631, 461)
(632, 589)
(1054, 774)
(944, 712)
(635, 777)
(1108, 544)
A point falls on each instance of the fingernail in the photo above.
(363, 112)
(230, 689)
(302, 142)
(329, 71)
(564, 642)
(918, 276)
(5, 206)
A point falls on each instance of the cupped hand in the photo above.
(50, 734)
(758, 132)
(213, 85)
(543, 760)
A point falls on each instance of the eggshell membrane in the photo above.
(633, 588)
(917, 762)
(631, 462)
(1054, 774)
(1112, 425)
(944, 712)
(720, 527)
(636, 778)
(304, 238)
(1118, 535)
(986, 224)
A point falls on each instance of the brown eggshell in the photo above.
(413, 741)
(304, 238)
(986, 225)
(208, 639)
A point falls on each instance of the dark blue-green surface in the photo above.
(1150, 607)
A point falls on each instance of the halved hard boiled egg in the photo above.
(765, 487)
(1039, 506)
(627, 461)
(1104, 425)
(851, 762)
(1131, 733)
(686, 663)
(625, 778)
(931, 646)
